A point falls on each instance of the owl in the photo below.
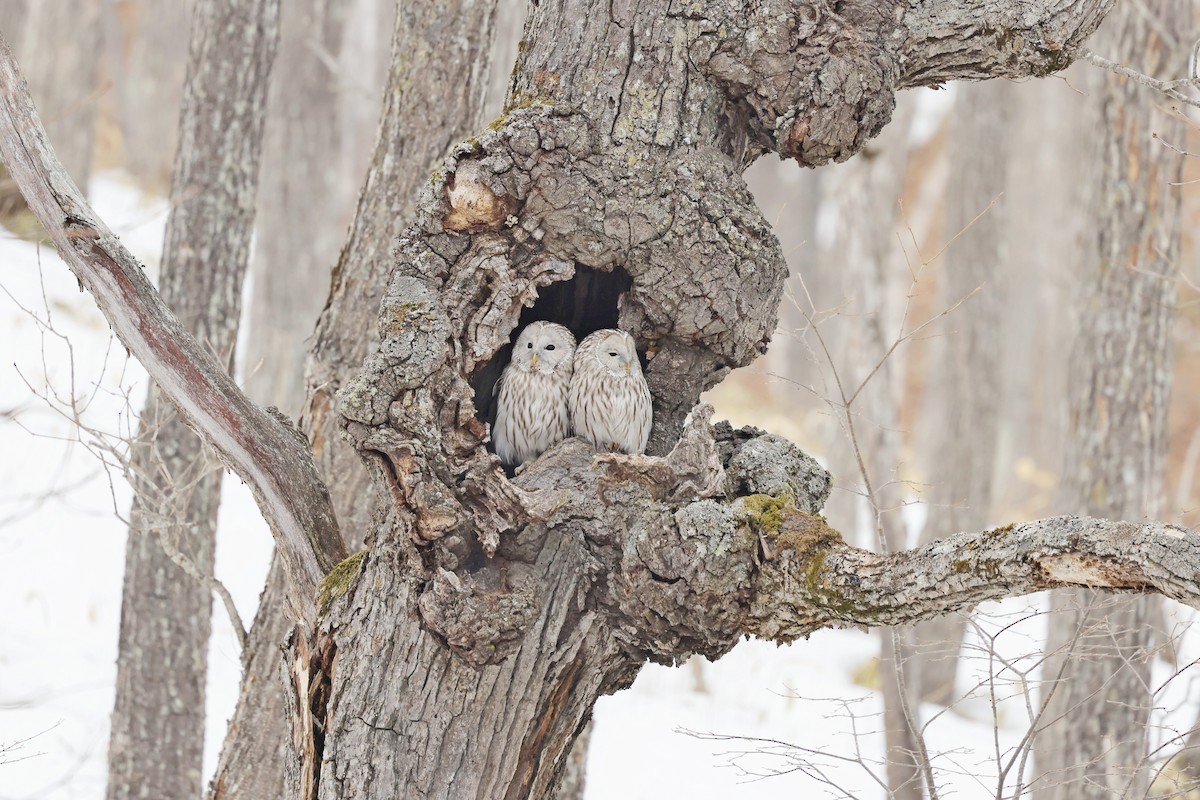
(610, 402)
(531, 410)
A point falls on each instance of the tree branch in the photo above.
(982, 39)
(264, 450)
(815, 580)
(1176, 89)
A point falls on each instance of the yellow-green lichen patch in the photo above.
(338, 581)
(765, 513)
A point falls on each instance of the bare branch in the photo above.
(816, 580)
(1176, 90)
(268, 454)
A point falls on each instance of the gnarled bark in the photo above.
(462, 652)
(609, 194)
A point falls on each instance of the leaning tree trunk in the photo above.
(865, 253)
(960, 452)
(433, 47)
(1121, 383)
(156, 745)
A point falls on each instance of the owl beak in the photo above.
(628, 366)
(534, 360)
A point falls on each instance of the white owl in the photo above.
(610, 402)
(531, 411)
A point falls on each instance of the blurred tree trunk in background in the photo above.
(864, 251)
(12, 21)
(433, 47)
(958, 450)
(63, 78)
(1121, 381)
(790, 198)
(1047, 186)
(148, 60)
(157, 740)
(304, 202)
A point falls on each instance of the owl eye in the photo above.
(612, 353)
(529, 345)
(549, 347)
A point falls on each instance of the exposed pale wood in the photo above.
(271, 456)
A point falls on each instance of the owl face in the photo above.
(543, 348)
(616, 353)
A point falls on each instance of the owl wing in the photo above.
(643, 416)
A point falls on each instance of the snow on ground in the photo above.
(62, 546)
(60, 587)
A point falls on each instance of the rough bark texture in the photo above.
(59, 46)
(460, 655)
(1121, 385)
(252, 764)
(434, 48)
(961, 452)
(157, 742)
(433, 98)
(148, 63)
(609, 194)
(268, 453)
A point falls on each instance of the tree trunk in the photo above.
(157, 737)
(1048, 185)
(59, 45)
(1121, 385)
(966, 367)
(462, 652)
(592, 109)
(305, 187)
(148, 64)
(414, 129)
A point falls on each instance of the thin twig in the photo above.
(1176, 89)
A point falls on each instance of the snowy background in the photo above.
(807, 711)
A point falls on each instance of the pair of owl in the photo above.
(551, 390)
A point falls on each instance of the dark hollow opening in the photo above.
(584, 304)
